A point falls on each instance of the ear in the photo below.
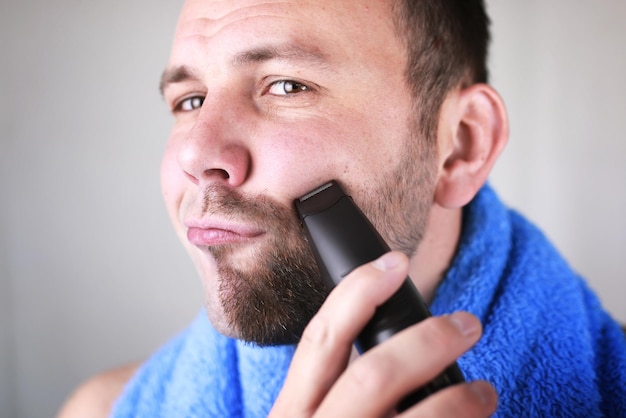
(473, 130)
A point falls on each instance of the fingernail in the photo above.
(388, 261)
(465, 323)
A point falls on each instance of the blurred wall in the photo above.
(94, 273)
(560, 67)
(91, 274)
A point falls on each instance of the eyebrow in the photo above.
(285, 52)
(175, 75)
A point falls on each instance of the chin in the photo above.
(218, 319)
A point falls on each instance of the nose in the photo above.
(215, 149)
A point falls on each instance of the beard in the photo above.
(269, 293)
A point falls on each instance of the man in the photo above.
(387, 97)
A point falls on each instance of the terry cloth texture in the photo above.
(548, 346)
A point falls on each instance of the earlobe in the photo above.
(473, 130)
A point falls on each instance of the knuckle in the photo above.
(372, 375)
(317, 332)
(363, 278)
(458, 401)
(438, 334)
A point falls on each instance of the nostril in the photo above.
(209, 174)
(217, 172)
(191, 178)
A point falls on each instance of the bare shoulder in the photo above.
(96, 396)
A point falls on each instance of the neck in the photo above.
(436, 251)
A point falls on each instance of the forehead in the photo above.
(351, 27)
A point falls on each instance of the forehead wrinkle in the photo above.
(220, 9)
(200, 20)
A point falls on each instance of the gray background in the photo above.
(91, 274)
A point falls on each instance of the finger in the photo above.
(326, 343)
(376, 382)
(468, 400)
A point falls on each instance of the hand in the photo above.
(321, 383)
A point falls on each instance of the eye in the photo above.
(188, 104)
(285, 87)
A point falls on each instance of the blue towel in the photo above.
(548, 346)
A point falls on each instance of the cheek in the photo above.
(302, 157)
(172, 180)
(348, 147)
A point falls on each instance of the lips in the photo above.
(207, 235)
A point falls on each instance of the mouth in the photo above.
(214, 234)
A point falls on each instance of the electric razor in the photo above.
(342, 238)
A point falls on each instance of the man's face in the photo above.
(272, 99)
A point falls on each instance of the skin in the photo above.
(251, 138)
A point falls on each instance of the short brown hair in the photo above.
(447, 45)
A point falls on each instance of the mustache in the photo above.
(221, 200)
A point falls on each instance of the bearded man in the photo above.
(390, 99)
